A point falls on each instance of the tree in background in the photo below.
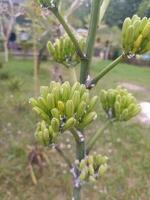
(144, 8)
(7, 20)
(125, 8)
(41, 33)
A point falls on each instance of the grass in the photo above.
(137, 75)
(127, 145)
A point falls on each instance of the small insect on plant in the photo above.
(71, 107)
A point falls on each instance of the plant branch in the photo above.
(95, 138)
(80, 154)
(80, 144)
(70, 34)
(63, 156)
(106, 70)
(94, 20)
(76, 193)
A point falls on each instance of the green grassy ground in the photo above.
(127, 145)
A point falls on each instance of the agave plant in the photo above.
(69, 107)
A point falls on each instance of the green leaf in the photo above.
(103, 8)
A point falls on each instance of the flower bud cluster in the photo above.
(92, 167)
(63, 107)
(64, 51)
(46, 134)
(119, 104)
(136, 35)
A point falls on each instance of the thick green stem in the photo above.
(107, 69)
(95, 138)
(80, 144)
(70, 34)
(76, 194)
(80, 151)
(80, 154)
(85, 64)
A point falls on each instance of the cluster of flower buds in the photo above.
(64, 51)
(136, 35)
(46, 134)
(49, 4)
(119, 104)
(92, 167)
(63, 107)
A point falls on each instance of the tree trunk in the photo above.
(36, 71)
(5, 50)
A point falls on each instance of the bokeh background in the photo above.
(31, 172)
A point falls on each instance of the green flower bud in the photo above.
(50, 101)
(135, 35)
(63, 107)
(55, 113)
(82, 164)
(90, 160)
(55, 124)
(76, 99)
(91, 170)
(44, 91)
(92, 103)
(87, 119)
(81, 109)
(102, 170)
(64, 51)
(70, 123)
(33, 102)
(92, 179)
(123, 105)
(83, 175)
(69, 108)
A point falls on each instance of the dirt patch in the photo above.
(132, 87)
(144, 116)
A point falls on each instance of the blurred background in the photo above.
(29, 171)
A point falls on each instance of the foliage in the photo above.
(124, 9)
(144, 8)
(15, 84)
(7, 21)
(136, 35)
(4, 74)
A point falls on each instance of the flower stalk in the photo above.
(70, 34)
(107, 69)
(94, 20)
(95, 138)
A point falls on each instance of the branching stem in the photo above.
(63, 156)
(107, 69)
(80, 154)
(94, 20)
(70, 34)
(95, 138)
